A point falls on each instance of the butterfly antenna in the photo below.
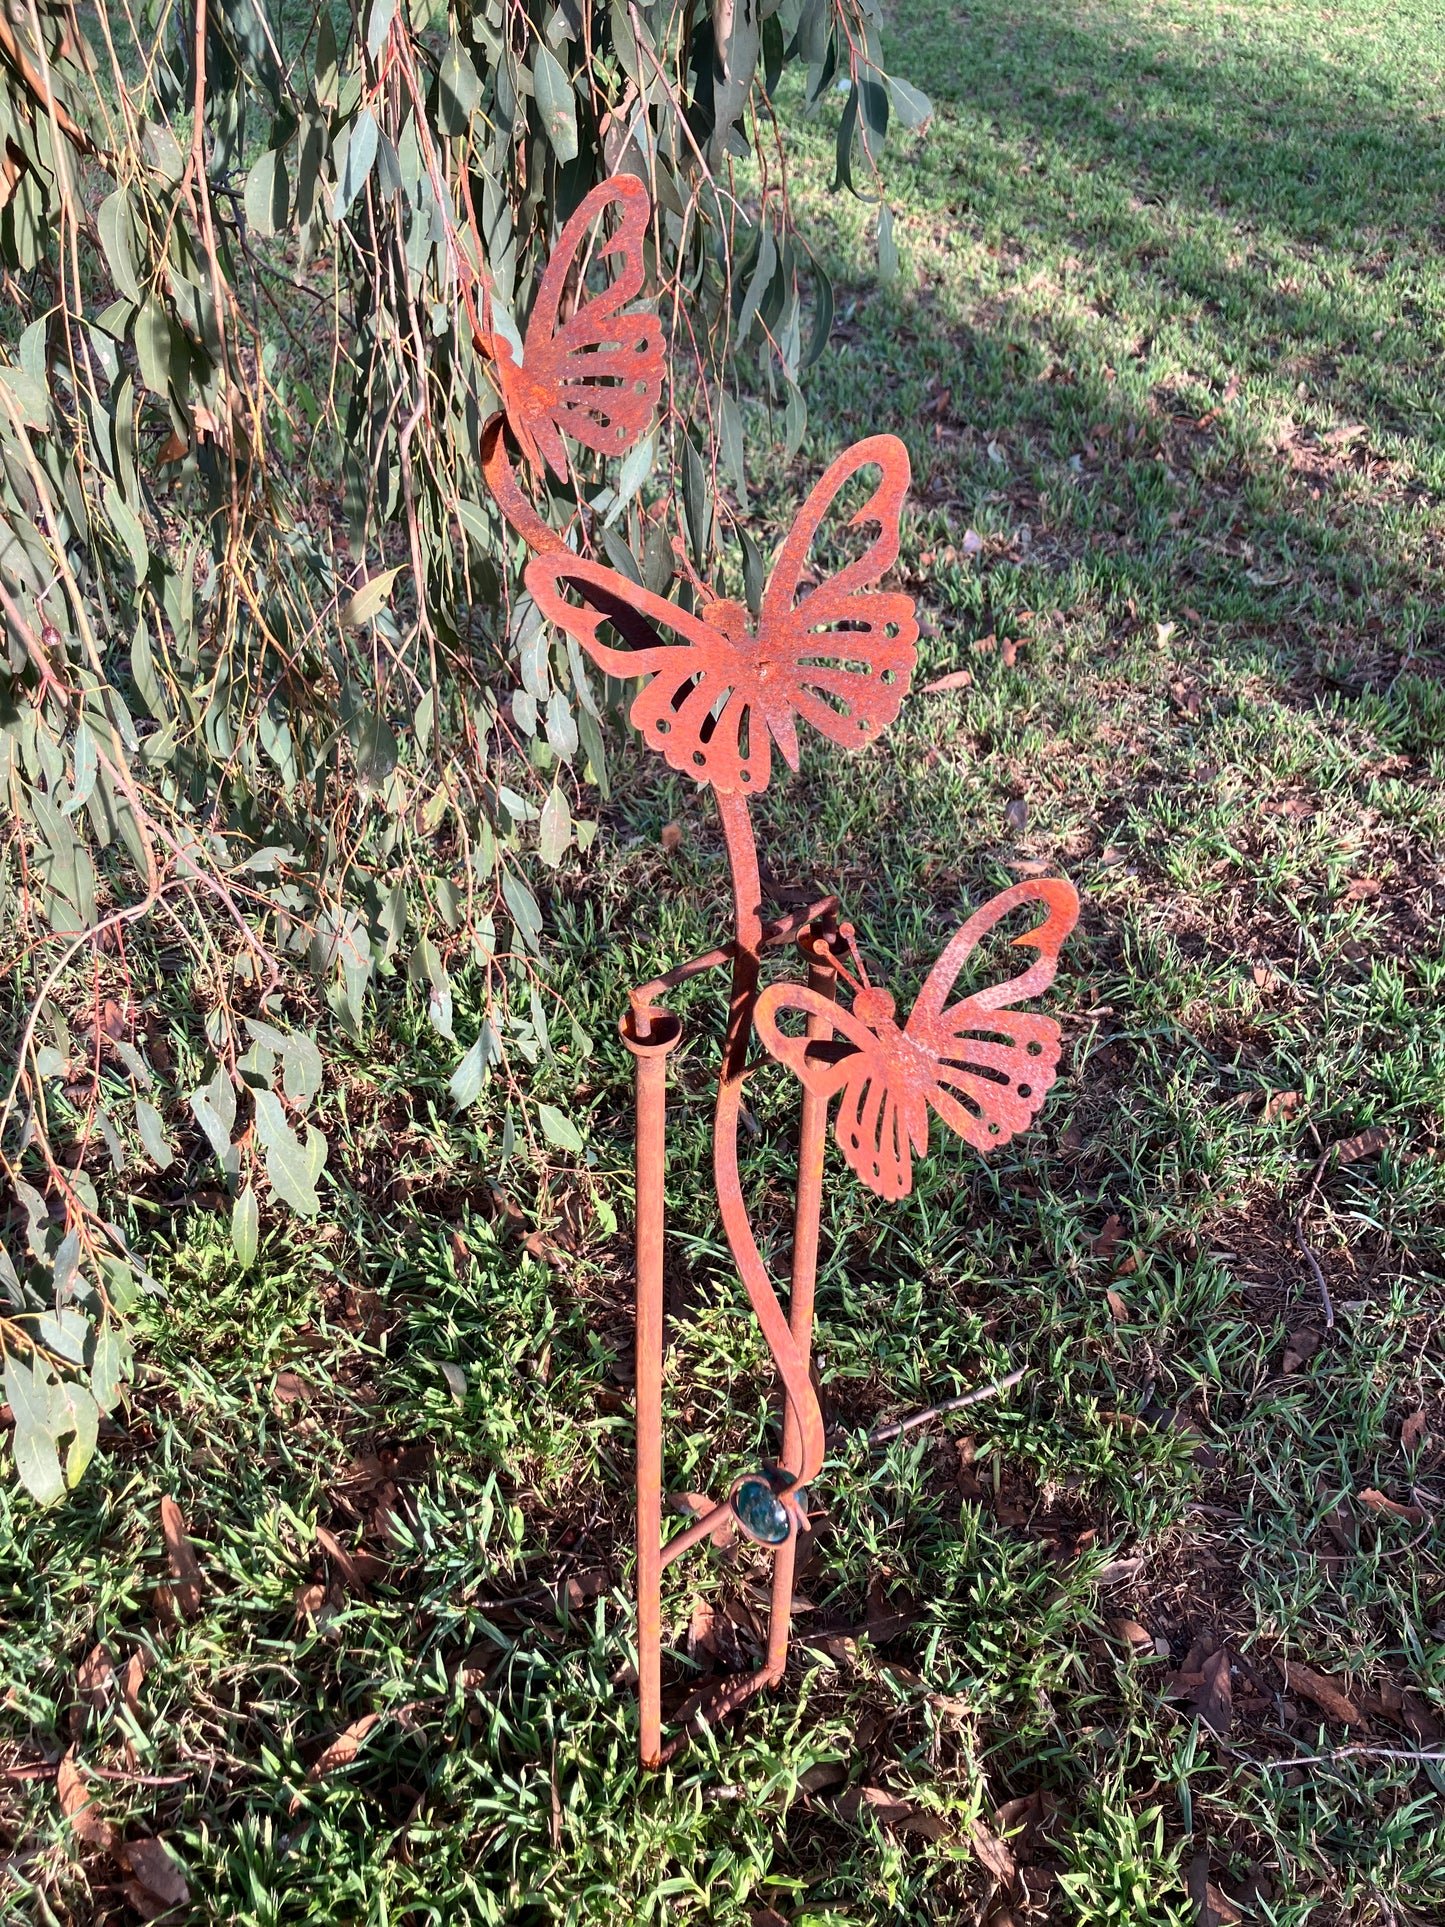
(860, 982)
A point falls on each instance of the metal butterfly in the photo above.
(598, 375)
(839, 655)
(984, 1068)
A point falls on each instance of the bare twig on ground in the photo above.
(886, 1432)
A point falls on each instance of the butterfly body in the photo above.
(983, 1068)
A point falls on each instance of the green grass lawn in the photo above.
(1165, 348)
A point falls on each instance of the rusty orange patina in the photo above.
(721, 689)
(597, 376)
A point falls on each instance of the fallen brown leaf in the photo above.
(1377, 1502)
(1009, 653)
(75, 1804)
(694, 1505)
(1137, 1638)
(890, 1811)
(950, 1706)
(1118, 1310)
(1361, 888)
(95, 1678)
(1299, 1348)
(887, 1808)
(579, 1587)
(1017, 1821)
(146, 1905)
(1103, 1245)
(1214, 1698)
(1421, 1719)
(955, 679)
(475, 1668)
(1412, 1432)
(358, 1568)
(825, 1774)
(157, 1870)
(1280, 1104)
(1016, 815)
(1212, 1909)
(1118, 1570)
(343, 1749)
(309, 1599)
(671, 837)
(130, 1683)
(700, 1628)
(994, 1854)
(185, 1567)
(1326, 1695)
(1187, 1680)
(1028, 866)
(1363, 1144)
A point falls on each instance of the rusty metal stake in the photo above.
(651, 1052)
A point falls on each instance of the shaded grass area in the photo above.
(1164, 351)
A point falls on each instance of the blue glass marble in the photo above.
(760, 1512)
(782, 1480)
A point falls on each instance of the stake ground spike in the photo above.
(721, 690)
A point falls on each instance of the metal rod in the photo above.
(812, 1136)
(651, 1093)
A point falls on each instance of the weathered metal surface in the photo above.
(730, 687)
(984, 1068)
(651, 1054)
(597, 376)
(721, 689)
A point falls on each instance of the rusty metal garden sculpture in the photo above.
(722, 689)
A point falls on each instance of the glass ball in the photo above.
(760, 1512)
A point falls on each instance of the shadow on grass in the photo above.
(1170, 327)
(1328, 147)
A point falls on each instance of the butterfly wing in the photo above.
(844, 651)
(882, 1116)
(994, 1065)
(598, 375)
(696, 709)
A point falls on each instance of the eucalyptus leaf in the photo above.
(556, 102)
(555, 830)
(730, 424)
(559, 1130)
(151, 1127)
(246, 1228)
(470, 1074)
(357, 160)
(27, 1393)
(887, 247)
